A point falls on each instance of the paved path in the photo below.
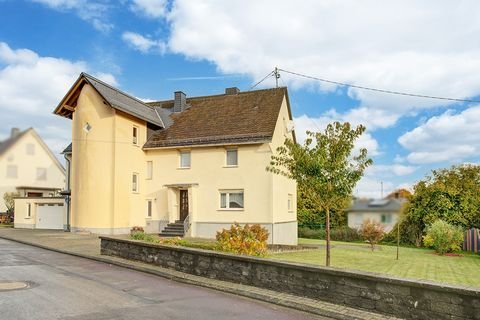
(68, 287)
(88, 246)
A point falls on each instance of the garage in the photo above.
(49, 216)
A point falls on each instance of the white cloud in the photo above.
(447, 137)
(150, 8)
(399, 45)
(143, 44)
(305, 123)
(390, 170)
(31, 86)
(94, 12)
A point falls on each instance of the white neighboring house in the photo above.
(385, 211)
(29, 167)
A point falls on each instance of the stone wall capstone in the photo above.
(379, 293)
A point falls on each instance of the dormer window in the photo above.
(135, 136)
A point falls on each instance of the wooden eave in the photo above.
(67, 105)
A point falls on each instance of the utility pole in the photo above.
(276, 74)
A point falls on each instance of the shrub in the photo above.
(337, 234)
(443, 237)
(136, 229)
(305, 232)
(137, 235)
(247, 240)
(372, 232)
(345, 234)
(177, 241)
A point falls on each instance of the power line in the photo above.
(256, 84)
(375, 89)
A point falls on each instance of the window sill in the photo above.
(231, 209)
(236, 166)
(183, 168)
(135, 192)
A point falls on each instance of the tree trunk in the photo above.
(327, 237)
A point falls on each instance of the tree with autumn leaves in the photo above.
(324, 167)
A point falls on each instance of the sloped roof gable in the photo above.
(245, 117)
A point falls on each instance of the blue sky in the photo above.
(152, 48)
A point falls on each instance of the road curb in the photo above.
(287, 301)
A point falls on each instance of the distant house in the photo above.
(187, 166)
(27, 166)
(385, 211)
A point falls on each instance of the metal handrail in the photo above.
(186, 224)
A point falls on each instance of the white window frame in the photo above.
(290, 203)
(226, 157)
(149, 175)
(227, 199)
(135, 184)
(149, 208)
(185, 152)
(12, 171)
(41, 177)
(135, 135)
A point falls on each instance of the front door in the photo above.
(183, 204)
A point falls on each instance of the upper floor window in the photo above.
(135, 182)
(41, 174)
(231, 199)
(12, 171)
(232, 157)
(135, 136)
(185, 159)
(30, 149)
(149, 170)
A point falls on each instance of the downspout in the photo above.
(67, 198)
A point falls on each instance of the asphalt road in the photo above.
(67, 287)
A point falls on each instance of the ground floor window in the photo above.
(386, 218)
(231, 199)
(149, 208)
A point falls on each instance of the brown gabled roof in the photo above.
(6, 144)
(115, 98)
(246, 117)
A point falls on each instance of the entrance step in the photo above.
(173, 230)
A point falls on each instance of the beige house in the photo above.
(187, 166)
(27, 166)
(386, 211)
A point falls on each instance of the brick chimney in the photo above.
(180, 102)
(232, 90)
(14, 132)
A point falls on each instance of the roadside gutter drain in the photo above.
(6, 285)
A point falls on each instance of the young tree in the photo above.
(452, 195)
(372, 232)
(9, 199)
(324, 168)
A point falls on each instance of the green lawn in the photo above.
(413, 263)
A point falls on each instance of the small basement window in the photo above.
(149, 208)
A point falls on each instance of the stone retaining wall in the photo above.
(389, 295)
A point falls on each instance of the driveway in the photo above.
(67, 287)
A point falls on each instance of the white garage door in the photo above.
(49, 216)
